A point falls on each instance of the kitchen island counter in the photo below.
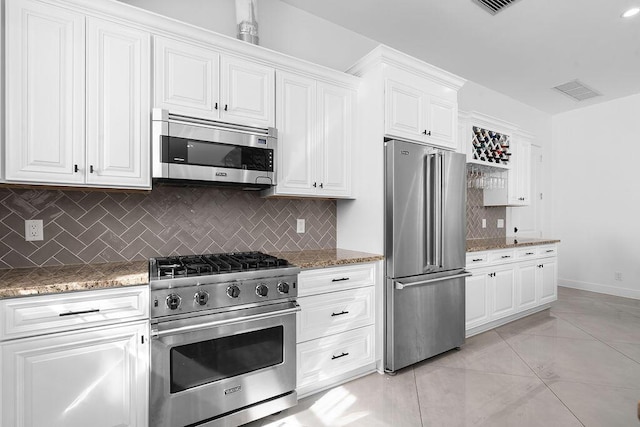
(320, 258)
(476, 245)
(16, 282)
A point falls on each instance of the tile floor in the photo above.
(577, 364)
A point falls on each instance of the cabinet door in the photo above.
(247, 93)
(504, 297)
(526, 286)
(548, 280)
(296, 112)
(404, 111)
(118, 110)
(96, 377)
(186, 78)
(477, 299)
(336, 132)
(45, 93)
(442, 116)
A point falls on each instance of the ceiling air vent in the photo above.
(577, 90)
(494, 6)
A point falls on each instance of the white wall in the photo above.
(281, 27)
(596, 204)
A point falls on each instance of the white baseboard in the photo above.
(599, 288)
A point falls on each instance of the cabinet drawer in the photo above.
(334, 312)
(544, 251)
(29, 316)
(325, 358)
(476, 259)
(530, 252)
(502, 256)
(323, 280)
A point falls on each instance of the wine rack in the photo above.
(490, 146)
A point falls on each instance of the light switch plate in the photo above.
(484, 223)
(300, 226)
(501, 223)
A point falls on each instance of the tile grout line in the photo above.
(415, 384)
(541, 380)
(596, 338)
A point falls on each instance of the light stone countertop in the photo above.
(476, 245)
(17, 282)
(320, 258)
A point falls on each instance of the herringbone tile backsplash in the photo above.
(97, 226)
(476, 211)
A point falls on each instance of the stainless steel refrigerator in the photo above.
(425, 239)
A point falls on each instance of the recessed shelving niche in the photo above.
(490, 147)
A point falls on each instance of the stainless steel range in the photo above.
(223, 349)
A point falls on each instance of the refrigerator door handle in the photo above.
(400, 285)
(439, 206)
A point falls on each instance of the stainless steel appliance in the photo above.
(192, 149)
(425, 234)
(223, 328)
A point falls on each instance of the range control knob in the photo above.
(173, 301)
(262, 290)
(201, 297)
(233, 291)
(283, 287)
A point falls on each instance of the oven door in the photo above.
(206, 367)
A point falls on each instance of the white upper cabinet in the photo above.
(247, 92)
(202, 82)
(45, 93)
(186, 78)
(414, 112)
(58, 80)
(118, 107)
(315, 122)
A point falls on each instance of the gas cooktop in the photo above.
(210, 264)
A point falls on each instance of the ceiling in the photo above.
(523, 51)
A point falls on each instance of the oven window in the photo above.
(207, 361)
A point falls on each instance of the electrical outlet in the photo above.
(618, 276)
(484, 223)
(33, 230)
(300, 226)
(501, 223)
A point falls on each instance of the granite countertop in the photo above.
(476, 245)
(326, 257)
(16, 282)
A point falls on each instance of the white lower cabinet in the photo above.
(504, 284)
(96, 375)
(336, 326)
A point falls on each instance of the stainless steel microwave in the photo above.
(203, 151)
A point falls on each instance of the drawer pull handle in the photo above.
(529, 253)
(505, 256)
(75, 313)
(549, 250)
(338, 357)
(339, 314)
(477, 259)
(340, 280)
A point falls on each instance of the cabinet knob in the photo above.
(314, 185)
(90, 168)
(75, 168)
(216, 106)
(321, 185)
(425, 132)
(226, 107)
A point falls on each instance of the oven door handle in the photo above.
(182, 329)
